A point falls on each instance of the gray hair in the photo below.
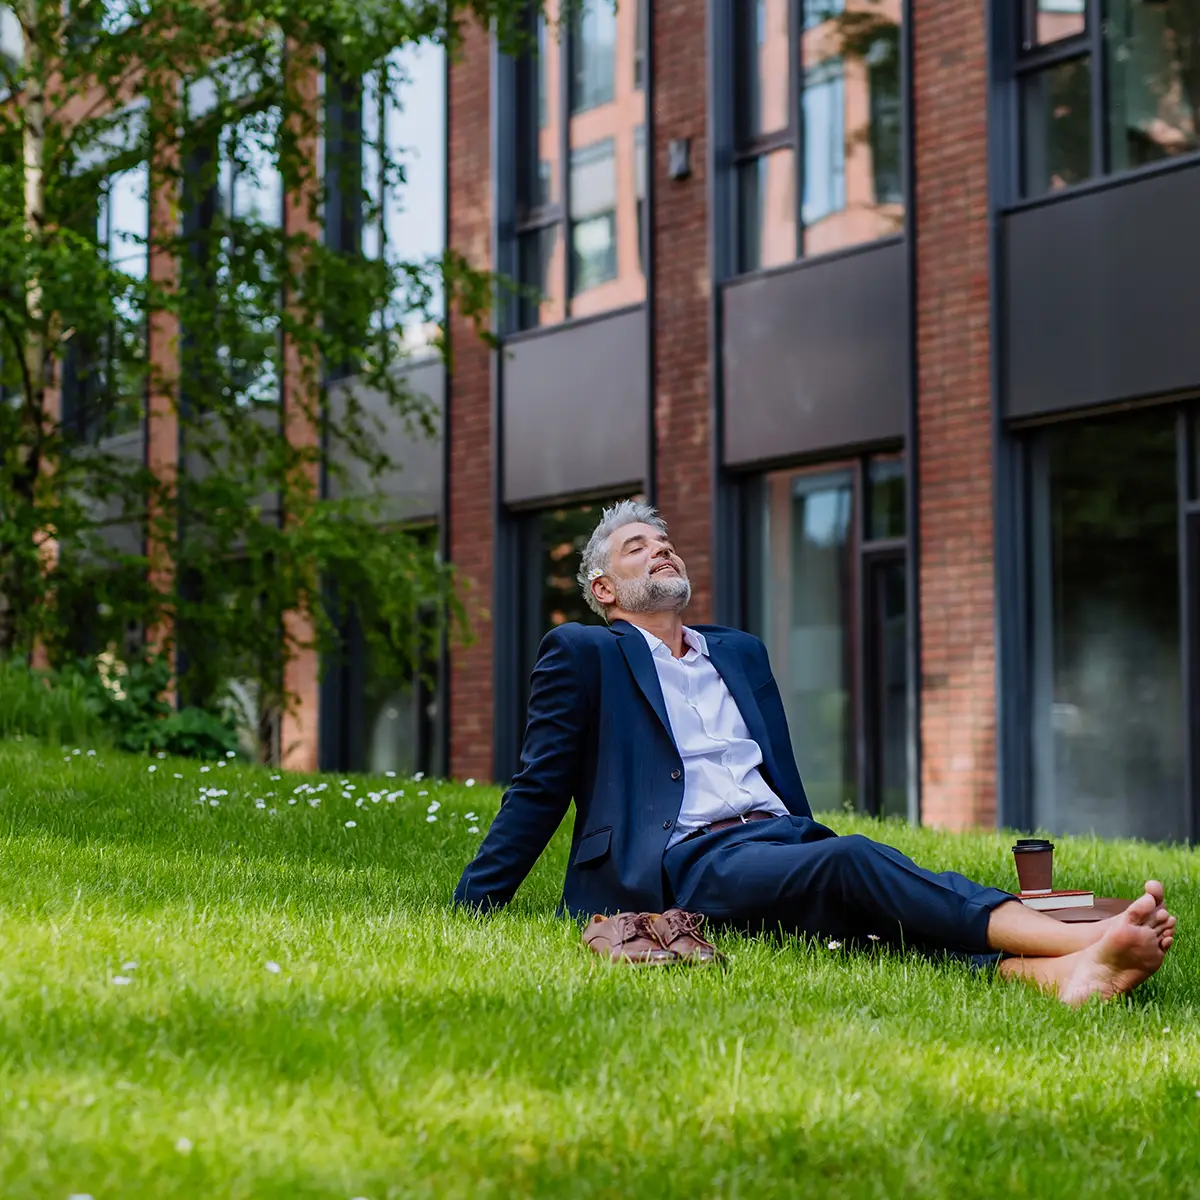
(597, 554)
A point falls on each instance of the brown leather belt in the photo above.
(729, 823)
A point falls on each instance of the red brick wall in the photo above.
(681, 294)
(469, 411)
(958, 721)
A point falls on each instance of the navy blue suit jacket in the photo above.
(598, 732)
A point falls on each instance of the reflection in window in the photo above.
(1057, 127)
(1056, 20)
(886, 500)
(831, 97)
(639, 167)
(404, 181)
(104, 380)
(808, 623)
(593, 53)
(767, 208)
(249, 194)
(586, 256)
(593, 216)
(824, 143)
(1153, 49)
(1108, 705)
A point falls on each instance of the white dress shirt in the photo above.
(721, 776)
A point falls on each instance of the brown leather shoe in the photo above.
(679, 931)
(626, 937)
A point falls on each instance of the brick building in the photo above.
(885, 303)
(904, 354)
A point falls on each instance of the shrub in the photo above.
(40, 705)
(128, 699)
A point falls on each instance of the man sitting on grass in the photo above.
(674, 745)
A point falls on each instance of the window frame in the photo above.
(748, 149)
(865, 551)
(532, 218)
(1020, 60)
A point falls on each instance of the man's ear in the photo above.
(603, 591)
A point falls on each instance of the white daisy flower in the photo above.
(390, 774)
(151, 768)
(431, 818)
(351, 824)
(469, 783)
(273, 967)
(230, 754)
(834, 945)
(473, 829)
(121, 980)
(184, 1146)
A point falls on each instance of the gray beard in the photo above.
(652, 594)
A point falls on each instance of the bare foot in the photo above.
(1129, 952)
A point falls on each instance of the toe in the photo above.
(1156, 890)
(1141, 911)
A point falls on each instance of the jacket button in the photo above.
(666, 824)
(676, 774)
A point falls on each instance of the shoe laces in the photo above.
(680, 922)
(637, 925)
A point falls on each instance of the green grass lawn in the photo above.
(306, 1017)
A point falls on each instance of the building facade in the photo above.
(888, 305)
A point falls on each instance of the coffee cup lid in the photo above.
(1027, 844)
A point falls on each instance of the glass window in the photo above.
(596, 234)
(404, 180)
(886, 501)
(1153, 58)
(824, 142)
(1147, 107)
(593, 54)
(886, 663)
(249, 194)
(1057, 127)
(827, 594)
(104, 380)
(817, 12)
(767, 201)
(764, 58)
(593, 216)
(807, 621)
(1054, 20)
(845, 127)
(1108, 730)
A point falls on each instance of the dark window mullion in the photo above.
(795, 112)
(782, 139)
(1100, 148)
(1054, 53)
(566, 65)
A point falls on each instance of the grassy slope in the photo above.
(402, 1050)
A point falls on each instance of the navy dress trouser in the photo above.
(795, 875)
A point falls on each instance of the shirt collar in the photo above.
(691, 639)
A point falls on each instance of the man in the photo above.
(674, 745)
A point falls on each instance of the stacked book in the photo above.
(1044, 901)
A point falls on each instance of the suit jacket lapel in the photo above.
(641, 663)
(729, 667)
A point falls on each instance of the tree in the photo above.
(233, 558)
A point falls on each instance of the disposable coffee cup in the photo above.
(1035, 865)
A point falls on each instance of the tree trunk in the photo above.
(31, 101)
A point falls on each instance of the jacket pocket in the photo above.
(593, 847)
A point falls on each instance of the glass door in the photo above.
(885, 690)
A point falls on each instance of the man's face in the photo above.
(644, 572)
